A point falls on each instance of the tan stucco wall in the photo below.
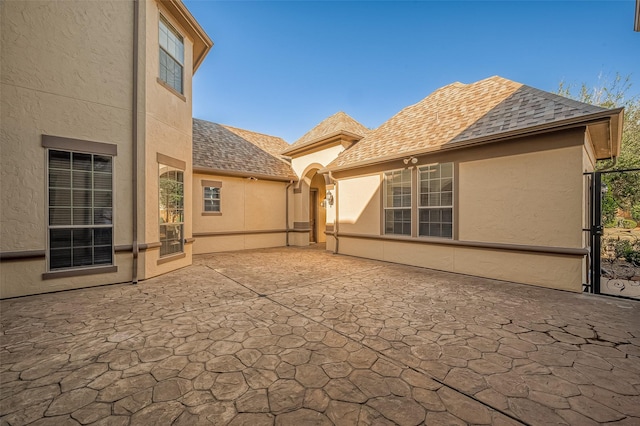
(24, 277)
(528, 193)
(322, 157)
(359, 205)
(60, 99)
(533, 198)
(246, 206)
(85, 92)
(167, 120)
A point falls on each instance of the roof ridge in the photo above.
(567, 101)
(337, 122)
(250, 131)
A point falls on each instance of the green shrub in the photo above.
(625, 249)
(622, 248)
(629, 224)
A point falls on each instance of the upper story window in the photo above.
(80, 204)
(397, 202)
(435, 201)
(171, 56)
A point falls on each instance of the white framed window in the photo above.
(211, 199)
(435, 200)
(171, 203)
(80, 209)
(171, 55)
(397, 202)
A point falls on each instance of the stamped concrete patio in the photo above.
(301, 336)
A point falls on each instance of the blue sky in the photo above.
(282, 67)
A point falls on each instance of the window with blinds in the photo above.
(80, 209)
(397, 202)
(171, 55)
(435, 200)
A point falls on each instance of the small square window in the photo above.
(211, 199)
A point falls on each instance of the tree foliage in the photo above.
(624, 188)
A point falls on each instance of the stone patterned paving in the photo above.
(300, 336)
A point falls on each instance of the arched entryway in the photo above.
(317, 211)
(310, 205)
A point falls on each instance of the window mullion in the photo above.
(414, 202)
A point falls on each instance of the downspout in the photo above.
(134, 137)
(336, 225)
(286, 210)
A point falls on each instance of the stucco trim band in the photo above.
(329, 228)
(79, 272)
(20, 255)
(219, 234)
(170, 161)
(69, 144)
(567, 251)
(211, 183)
(302, 225)
(141, 247)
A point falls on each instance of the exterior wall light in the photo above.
(412, 160)
(329, 198)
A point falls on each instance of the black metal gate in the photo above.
(614, 260)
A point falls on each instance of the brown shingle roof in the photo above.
(223, 148)
(462, 112)
(337, 123)
(272, 144)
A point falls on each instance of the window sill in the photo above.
(171, 258)
(68, 273)
(171, 89)
(211, 213)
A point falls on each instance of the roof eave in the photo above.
(323, 140)
(202, 44)
(243, 174)
(584, 120)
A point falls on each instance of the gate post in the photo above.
(596, 231)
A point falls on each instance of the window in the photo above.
(397, 202)
(171, 56)
(211, 199)
(80, 209)
(435, 201)
(171, 200)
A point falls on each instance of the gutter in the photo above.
(286, 210)
(134, 138)
(242, 174)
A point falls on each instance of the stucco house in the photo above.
(485, 179)
(241, 189)
(106, 177)
(96, 113)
